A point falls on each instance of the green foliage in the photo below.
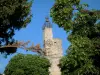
(27, 65)
(62, 12)
(14, 15)
(83, 55)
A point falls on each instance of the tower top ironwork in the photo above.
(47, 23)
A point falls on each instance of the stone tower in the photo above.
(52, 48)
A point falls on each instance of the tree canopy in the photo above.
(14, 15)
(83, 55)
(27, 65)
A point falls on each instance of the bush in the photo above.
(27, 65)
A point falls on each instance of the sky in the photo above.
(33, 32)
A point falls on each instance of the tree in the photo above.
(83, 55)
(27, 65)
(14, 15)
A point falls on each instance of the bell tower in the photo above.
(47, 36)
(47, 29)
(52, 48)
